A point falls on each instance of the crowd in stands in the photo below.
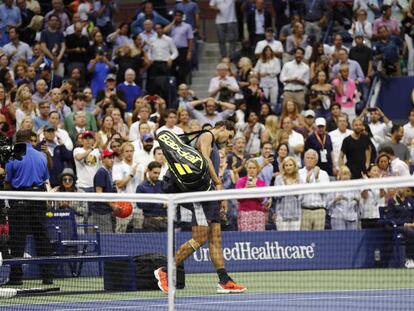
(96, 93)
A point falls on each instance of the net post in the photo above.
(170, 253)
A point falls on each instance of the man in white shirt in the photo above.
(269, 40)
(144, 156)
(160, 158)
(408, 138)
(126, 178)
(295, 77)
(148, 34)
(337, 137)
(170, 119)
(17, 49)
(226, 25)
(87, 162)
(296, 141)
(397, 166)
(143, 115)
(222, 87)
(313, 205)
(379, 129)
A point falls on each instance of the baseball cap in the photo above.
(111, 76)
(309, 113)
(320, 122)
(147, 137)
(107, 153)
(49, 127)
(88, 133)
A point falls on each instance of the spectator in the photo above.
(357, 149)
(101, 212)
(87, 161)
(77, 19)
(79, 104)
(371, 201)
(296, 140)
(295, 77)
(184, 97)
(271, 131)
(17, 50)
(371, 7)
(145, 155)
(104, 11)
(130, 57)
(223, 86)
(130, 89)
(362, 28)
(387, 21)
(313, 205)
(210, 114)
(98, 44)
(315, 15)
(148, 13)
(120, 37)
(318, 60)
(253, 132)
(119, 126)
(9, 17)
(160, 158)
(105, 133)
(397, 167)
(99, 68)
(226, 25)
(287, 29)
(170, 123)
(321, 95)
(43, 118)
(26, 108)
(110, 92)
(298, 39)
(379, 124)
(400, 149)
(148, 33)
(290, 109)
(182, 35)
(282, 151)
(258, 20)
(269, 40)
(400, 211)
(236, 159)
(321, 142)
(41, 93)
(155, 214)
(355, 71)
(57, 104)
(76, 47)
(143, 117)
(287, 208)
(56, 154)
(337, 137)
(345, 92)
(254, 96)
(265, 161)
(268, 68)
(388, 49)
(251, 213)
(344, 206)
(126, 178)
(62, 136)
(52, 42)
(58, 10)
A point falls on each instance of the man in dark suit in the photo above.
(257, 21)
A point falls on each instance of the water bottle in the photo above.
(377, 258)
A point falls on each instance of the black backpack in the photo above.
(188, 168)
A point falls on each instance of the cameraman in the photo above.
(388, 49)
(30, 173)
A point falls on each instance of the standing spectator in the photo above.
(148, 34)
(298, 39)
(337, 137)
(99, 68)
(130, 89)
(388, 48)
(321, 142)
(269, 40)
(9, 16)
(210, 114)
(43, 118)
(379, 125)
(313, 205)
(182, 35)
(345, 92)
(17, 50)
(76, 47)
(321, 94)
(170, 123)
(295, 77)
(236, 159)
(101, 212)
(408, 138)
(400, 149)
(155, 214)
(362, 28)
(258, 20)
(357, 149)
(52, 42)
(120, 37)
(62, 136)
(355, 71)
(191, 12)
(266, 160)
(387, 21)
(58, 104)
(344, 206)
(148, 13)
(268, 68)
(128, 56)
(396, 166)
(104, 12)
(296, 140)
(253, 132)
(110, 92)
(223, 86)
(87, 161)
(287, 208)
(315, 15)
(58, 10)
(106, 132)
(126, 179)
(251, 213)
(226, 25)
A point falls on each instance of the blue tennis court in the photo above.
(396, 300)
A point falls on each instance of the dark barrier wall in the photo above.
(395, 97)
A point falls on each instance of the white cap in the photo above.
(320, 122)
(309, 113)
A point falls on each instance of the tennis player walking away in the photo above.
(206, 215)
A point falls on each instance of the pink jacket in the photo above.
(345, 100)
(250, 204)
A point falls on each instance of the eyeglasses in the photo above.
(67, 180)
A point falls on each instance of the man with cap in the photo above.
(320, 141)
(145, 155)
(101, 212)
(309, 121)
(269, 40)
(56, 153)
(87, 161)
(111, 91)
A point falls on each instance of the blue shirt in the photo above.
(389, 49)
(103, 179)
(151, 209)
(132, 92)
(9, 16)
(30, 171)
(190, 10)
(39, 123)
(99, 74)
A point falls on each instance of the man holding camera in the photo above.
(222, 87)
(266, 163)
(388, 49)
(30, 173)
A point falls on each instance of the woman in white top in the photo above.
(105, 133)
(268, 68)
(27, 108)
(362, 27)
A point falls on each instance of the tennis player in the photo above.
(206, 215)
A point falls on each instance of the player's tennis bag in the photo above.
(188, 168)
